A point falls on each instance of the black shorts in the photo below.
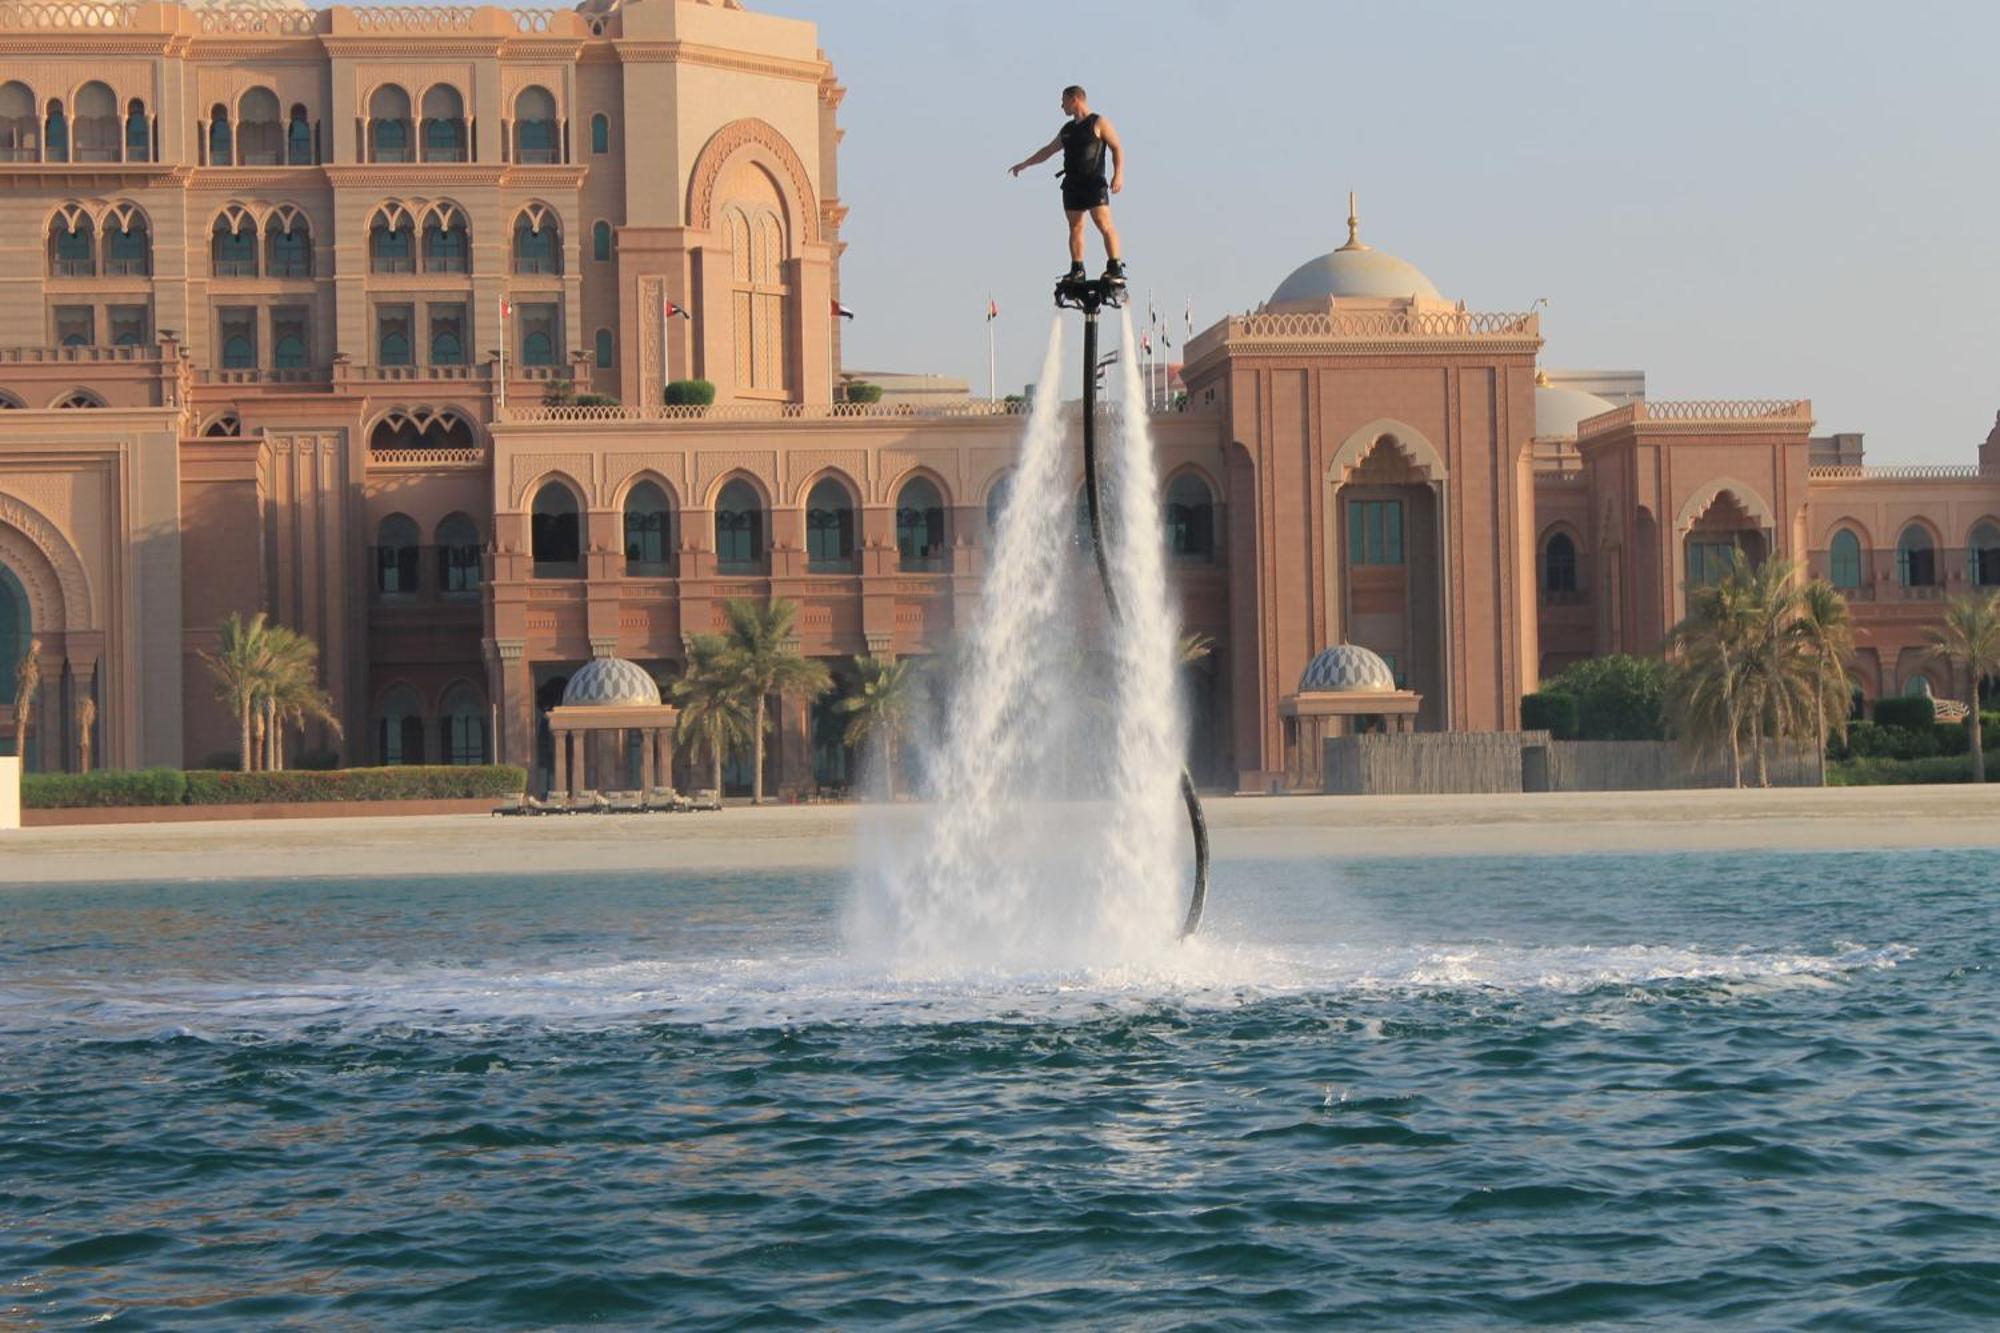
(1083, 195)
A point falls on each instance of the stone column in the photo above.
(621, 757)
(559, 779)
(648, 744)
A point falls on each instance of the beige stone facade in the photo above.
(285, 296)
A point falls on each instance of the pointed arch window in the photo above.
(600, 241)
(55, 133)
(556, 531)
(128, 247)
(458, 556)
(604, 352)
(536, 134)
(447, 244)
(537, 241)
(996, 505)
(1982, 556)
(829, 528)
(391, 243)
(1844, 559)
(1559, 567)
(462, 727)
(600, 133)
(444, 125)
(396, 555)
(759, 297)
(288, 244)
(648, 532)
(260, 130)
(739, 529)
(233, 245)
(72, 244)
(921, 541)
(98, 130)
(1190, 519)
(300, 149)
(389, 125)
(221, 142)
(20, 127)
(138, 133)
(399, 728)
(1916, 558)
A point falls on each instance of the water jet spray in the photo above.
(1090, 295)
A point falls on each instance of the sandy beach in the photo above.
(829, 836)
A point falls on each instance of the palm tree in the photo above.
(1194, 647)
(239, 664)
(1970, 637)
(1780, 676)
(1826, 630)
(885, 689)
(290, 694)
(761, 656)
(715, 712)
(1705, 693)
(27, 683)
(1741, 667)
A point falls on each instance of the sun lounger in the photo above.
(516, 804)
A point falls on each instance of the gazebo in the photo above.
(608, 700)
(1344, 690)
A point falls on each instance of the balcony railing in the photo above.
(73, 268)
(235, 268)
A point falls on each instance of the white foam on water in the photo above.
(815, 989)
(1006, 876)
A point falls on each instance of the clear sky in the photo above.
(1746, 199)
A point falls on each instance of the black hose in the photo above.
(1093, 502)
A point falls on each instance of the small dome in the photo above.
(1347, 668)
(611, 682)
(1559, 411)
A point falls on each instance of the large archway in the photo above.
(1387, 587)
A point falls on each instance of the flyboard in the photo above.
(1091, 295)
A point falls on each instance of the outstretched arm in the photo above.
(1117, 150)
(1048, 151)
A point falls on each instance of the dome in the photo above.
(1355, 270)
(1558, 411)
(611, 682)
(1347, 668)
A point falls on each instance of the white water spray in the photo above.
(1004, 876)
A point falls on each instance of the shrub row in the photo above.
(166, 786)
(1898, 772)
(1551, 711)
(1913, 712)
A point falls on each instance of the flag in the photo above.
(1190, 317)
(1166, 340)
(670, 310)
(506, 308)
(992, 310)
(1146, 343)
(841, 312)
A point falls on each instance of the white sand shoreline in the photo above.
(828, 837)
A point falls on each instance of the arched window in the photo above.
(604, 349)
(221, 144)
(128, 249)
(739, 529)
(72, 244)
(404, 431)
(537, 241)
(648, 532)
(232, 245)
(447, 339)
(447, 245)
(138, 133)
(238, 337)
(996, 505)
(600, 133)
(391, 243)
(1916, 558)
(444, 125)
(227, 426)
(1190, 519)
(396, 543)
(1559, 567)
(600, 242)
(16, 624)
(20, 130)
(389, 125)
(462, 726)
(535, 130)
(287, 245)
(556, 532)
(299, 149)
(399, 728)
(260, 130)
(1982, 556)
(78, 399)
(829, 528)
(1845, 560)
(920, 527)
(55, 133)
(98, 131)
(458, 556)
(758, 295)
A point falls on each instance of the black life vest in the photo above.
(1083, 151)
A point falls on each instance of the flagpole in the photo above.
(666, 353)
(992, 378)
(500, 382)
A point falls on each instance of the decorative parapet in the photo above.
(67, 17)
(146, 353)
(1914, 472)
(454, 19)
(426, 459)
(571, 413)
(263, 22)
(1393, 328)
(1701, 412)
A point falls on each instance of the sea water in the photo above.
(1740, 1089)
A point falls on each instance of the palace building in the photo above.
(363, 317)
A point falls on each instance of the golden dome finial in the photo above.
(1353, 225)
(1541, 379)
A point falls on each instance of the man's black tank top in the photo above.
(1083, 151)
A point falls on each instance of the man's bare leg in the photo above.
(1075, 235)
(1101, 215)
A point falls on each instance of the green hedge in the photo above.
(1912, 712)
(861, 391)
(690, 393)
(1618, 698)
(166, 786)
(76, 791)
(403, 783)
(1899, 772)
(1551, 711)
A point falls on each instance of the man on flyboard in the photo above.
(1085, 193)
